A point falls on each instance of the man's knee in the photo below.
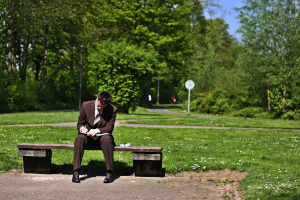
(106, 139)
(80, 138)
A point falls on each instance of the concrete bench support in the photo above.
(147, 164)
(36, 161)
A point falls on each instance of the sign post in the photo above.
(189, 85)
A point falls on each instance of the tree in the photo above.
(271, 37)
(121, 69)
(153, 24)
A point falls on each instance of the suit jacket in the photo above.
(87, 116)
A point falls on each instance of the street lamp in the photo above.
(157, 88)
(81, 51)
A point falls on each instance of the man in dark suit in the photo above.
(95, 125)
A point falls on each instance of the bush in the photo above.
(291, 114)
(248, 112)
(122, 70)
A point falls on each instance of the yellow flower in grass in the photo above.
(204, 167)
(223, 180)
(211, 121)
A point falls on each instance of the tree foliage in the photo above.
(121, 69)
(261, 73)
(271, 36)
(127, 43)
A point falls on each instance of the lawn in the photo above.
(225, 122)
(72, 116)
(271, 157)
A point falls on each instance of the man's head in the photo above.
(103, 99)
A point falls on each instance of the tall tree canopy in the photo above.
(41, 40)
(271, 37)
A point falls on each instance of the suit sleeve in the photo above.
(82, 117)
(109, 127)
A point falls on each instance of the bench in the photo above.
(147, 161)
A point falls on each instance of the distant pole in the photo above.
(81, 51)
(157, 88)
(189, 85)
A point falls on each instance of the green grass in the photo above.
(39, 117)
(181, 110)
(71, 116)
(270, 157)
(143, 113)
(169, 106)
(225, 122)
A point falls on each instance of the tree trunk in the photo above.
(269, 100)
(145, 97)
(72, 58)
(284, 88)
(10, 38)
(37, 66)
(15, 51)
(45, 57)
(24, 59)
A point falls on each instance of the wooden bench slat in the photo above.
(139, 149)
(45, 146)
(71, 146)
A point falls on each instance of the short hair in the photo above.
(104, 97)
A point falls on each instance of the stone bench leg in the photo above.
(147, 164)
(36, 160)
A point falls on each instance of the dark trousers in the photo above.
(106, 143)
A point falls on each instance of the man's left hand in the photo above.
(93, 132)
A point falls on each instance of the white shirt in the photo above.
(96, 110)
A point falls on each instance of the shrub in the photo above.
(122, 70)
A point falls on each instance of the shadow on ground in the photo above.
(93, 168)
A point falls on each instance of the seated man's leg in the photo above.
(79, 144)
(107, 146)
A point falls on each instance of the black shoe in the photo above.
(109, 178)
(75, 178)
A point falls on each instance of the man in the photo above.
(95, 125)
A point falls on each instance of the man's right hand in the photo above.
(83, 129)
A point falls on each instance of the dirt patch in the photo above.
(218, 174)
(15, 171)
(220, 184)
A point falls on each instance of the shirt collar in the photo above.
(96, 109)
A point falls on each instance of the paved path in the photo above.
(58, 186)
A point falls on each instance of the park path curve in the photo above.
(165, 111)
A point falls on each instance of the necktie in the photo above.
(97, 118)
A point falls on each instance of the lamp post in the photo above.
(157, 88)
(81, 51)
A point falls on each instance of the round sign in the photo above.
(189, 84)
